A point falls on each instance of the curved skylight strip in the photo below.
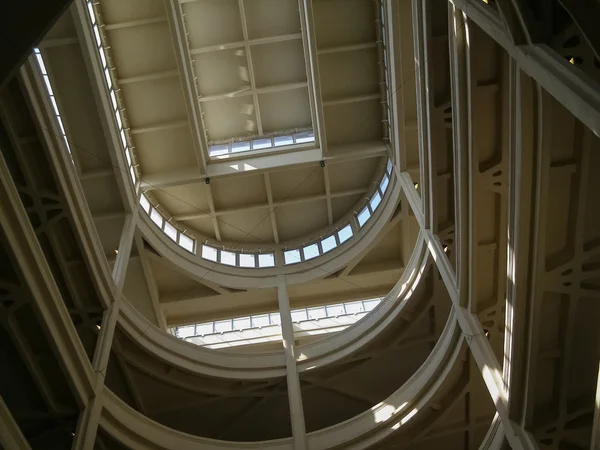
(317, 315)
(227, 149)
(385, 81)
(183, 240)
(50, 92)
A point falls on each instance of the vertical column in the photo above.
(293, 381)
(88, 423)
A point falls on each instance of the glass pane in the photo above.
(299, 314)
(311, 251)
(261, 320)
(317, 313)
(335, 310)
(363, 216)
(209, 253)
(345, 233)
(54, 105)
(102, 57)
(257, 144)
(275, 319)
(108, 78)
(132, 173)
(371, 304)
(216, 150)
(187, 331)
(171, 231)
(48, 85)
(354, 307)
(389, 167)
(328, 243)
(124, 142)
(240, 146)
(186, 242)
(292, 256)
(283, 140)
(247, 260)
(91, 11)
(306, 136)
(97, 36)
(204, 328)
(384, 183)
(223, 325)
(145, 203)
(156, 217)
(227, 258)
(113, 99)
(243, 323)
(375, 201)
(266, 260)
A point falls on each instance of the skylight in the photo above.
(224, 149)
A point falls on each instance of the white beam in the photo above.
(271, 208)
(293, 380)
(353, 99)
(149, 77)
(250, 91)
(135, 23)
(242, 44)
(11, 436)
(346, 48)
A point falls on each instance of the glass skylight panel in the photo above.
(280, 141)
(156, 217)
(124, 142)
(311, 251)
(363, 216)
(91, 11)
(102, 57)
(371, 304)
(145, 203)
(217, 150)
(354, 307)
(97, 36)
(186, 242)
(227, 258)
(275, 318)
(240, 147)
(222, 326)
(304, 137)
(119, 122)
(132, 173)
(299, 314)
(60, 125)
(242, 323)
(40, 61)
(292, 256)
(209, 253)
(335, 310)
(113, 99)
(171, 231)
(261, 320)
(384, 183)
(328, 243)
(247, 260)
(345, 233)
(317, 313)
(388, 169)
(108, 78)
(258, 144)
(205, 328)
(186, 331)
(375, 201)
(266, 260)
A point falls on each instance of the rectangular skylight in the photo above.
(292, 256)
(311, 251)
(261, 320)
(240, 147)
(266, 260)
(223, 325)
(171, 231)
(375, 201)
(345, 233)
(384, 183)
(317, 313)
(258, 144)
(304, 137)
(299, 315)
(156, 217)
(363, 216)
(283, 140)
(328, 243)
(186, 242)
(209, 253)
(145, 203)
(227, 258)
(217, 150)
(247, 260)
(243, 323)
(388, 169)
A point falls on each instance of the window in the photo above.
(304, 137)
(311, 251)
(261, 320)
(156, 217)
(298, 315)
(335, 310)
(258, 144)
(292, 256)
(240, 147)
(209, 253)
(187, 331)
(275, 318)
(243, 323)
(186, 242)
(388, 169)
(363, 216)
(266, 260)
(204, 328)
(345, 233)
(247, 260)
(375, 201)
(216, 150)
(384, 183)
(145, 203)
(354, 308)
(328, 243)
(171, 231)
(283, 140)
(222, 326)
(317, 313)
(227, 258)
(371, 304)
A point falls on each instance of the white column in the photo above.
(293, 381)
(87, 427)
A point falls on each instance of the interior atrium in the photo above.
(300, 224)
